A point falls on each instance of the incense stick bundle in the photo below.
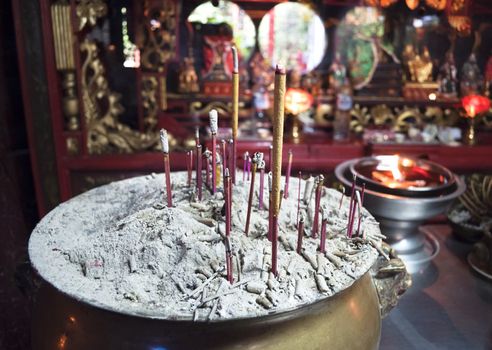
(278, 135)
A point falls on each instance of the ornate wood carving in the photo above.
(105, 134)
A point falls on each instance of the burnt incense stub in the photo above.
(118, 247)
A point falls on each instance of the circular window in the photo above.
(293, 35)
(244, 31)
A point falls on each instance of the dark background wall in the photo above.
(17, 200)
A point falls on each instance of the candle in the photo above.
(300, 234)
(199, 171)
(235, 109)
(278, 135)
(189, 165)
(299, 197)
(213, 115)
(287, 176)
(256, 160)
(165, 151)
(323, 233)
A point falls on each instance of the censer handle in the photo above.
(391, 279)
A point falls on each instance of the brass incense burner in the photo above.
(350, 319)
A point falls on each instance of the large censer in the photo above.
(349, 319)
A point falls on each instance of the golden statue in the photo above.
(420, 67)
(188, 79)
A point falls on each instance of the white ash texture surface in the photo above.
(119, 247)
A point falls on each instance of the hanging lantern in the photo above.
(475, 105)
(436, 4)
(412, 4)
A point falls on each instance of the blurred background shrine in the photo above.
(85, 86)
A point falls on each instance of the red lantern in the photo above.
(475, 104)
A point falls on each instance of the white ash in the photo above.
(121, 248)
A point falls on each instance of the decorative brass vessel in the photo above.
(350, 319)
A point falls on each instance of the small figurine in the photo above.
(448, 77)
(337, 75)
(421, 67)
(188, 79)
(471, 77)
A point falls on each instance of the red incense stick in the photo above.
(245, 164)
(300, 234)
(199, 171)
(249, 168)
(232, 160)
(190, 166)
(228, 250)
(274, 244)
(317, 202)
(227, 197)
(269, 236)
(287, 176)
(349, 234)
(323, 234)
(207, 155)
(223, 145)
(299, 197)
(213, 128)
(251, 193)
(261, 166)
(167, 168)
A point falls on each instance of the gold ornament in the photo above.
(436, 4)
(105, 133)
(89, 11)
